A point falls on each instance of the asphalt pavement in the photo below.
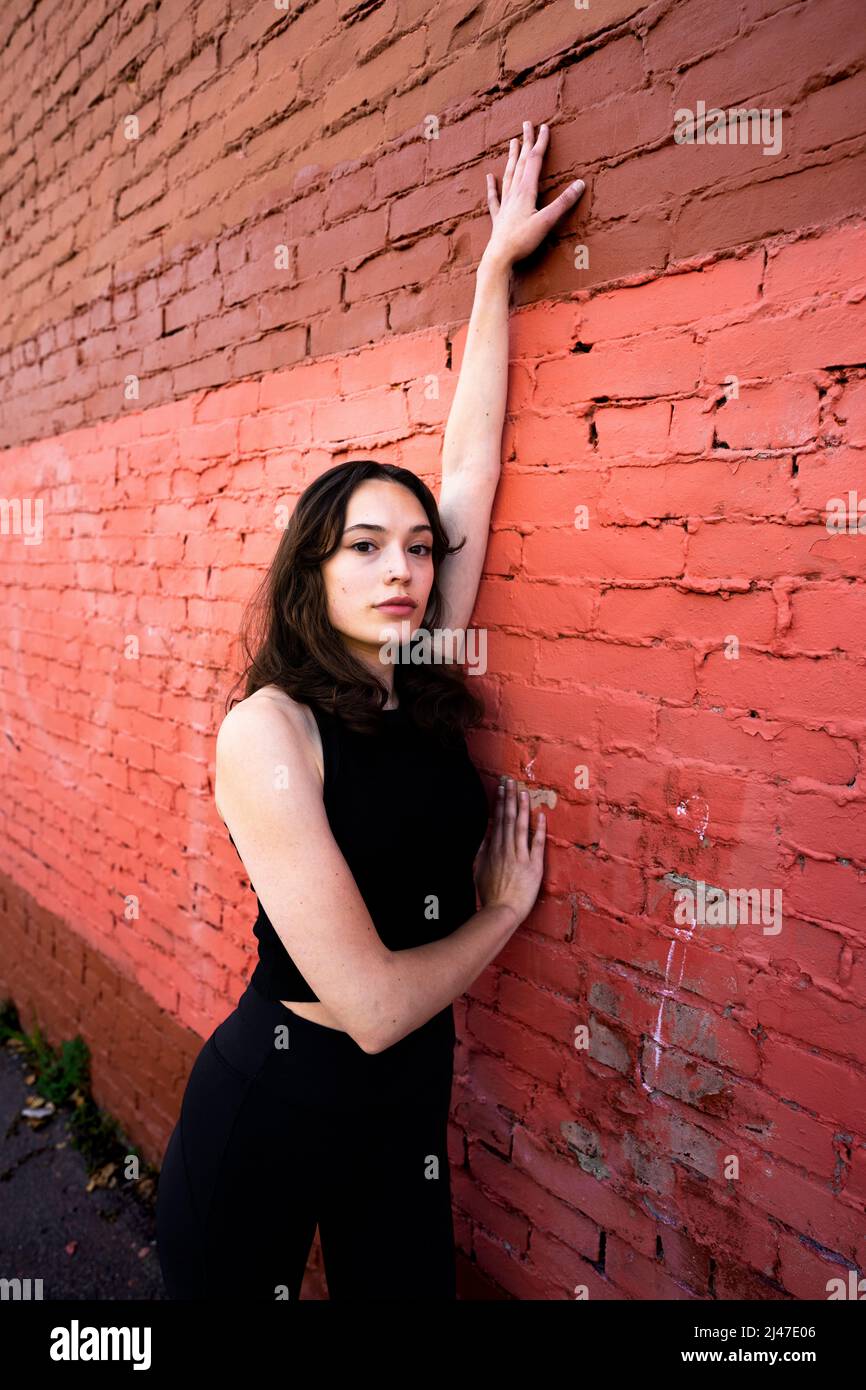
(98, 1244)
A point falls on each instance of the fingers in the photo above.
(525, 151)
(538, 149)
(564, 203)
(522, 846)
(518, 155)
(533, 149)
(504, 832)
(510, 815)
(526, 147)
(497, 837)
(492, 199)
(537, 851)
(510, 166)
(512, 819)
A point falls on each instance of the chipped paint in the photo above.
(539, 796)
(698, 814)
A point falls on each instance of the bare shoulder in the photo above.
(263, 714)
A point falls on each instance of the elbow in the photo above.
(372, 1039)
(388, 1034)
(371, 1043)
(378, 1030)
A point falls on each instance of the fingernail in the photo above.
(578, 184)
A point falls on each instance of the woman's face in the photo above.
(385, 551)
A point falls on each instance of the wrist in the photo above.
(495, 263)
(508, 916)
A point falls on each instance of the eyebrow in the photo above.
(369, 526)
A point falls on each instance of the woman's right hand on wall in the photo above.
(509, 867)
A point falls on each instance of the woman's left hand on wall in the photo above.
(518, 227)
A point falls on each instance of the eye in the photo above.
(427, 549)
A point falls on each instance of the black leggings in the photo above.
(275, 1139)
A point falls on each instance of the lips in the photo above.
(396, 606)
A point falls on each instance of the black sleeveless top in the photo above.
(408, 816)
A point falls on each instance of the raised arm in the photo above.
(472, 444)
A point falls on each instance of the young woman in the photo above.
(346, 786)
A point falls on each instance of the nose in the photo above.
(396, 565)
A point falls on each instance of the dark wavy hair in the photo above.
(288, 639)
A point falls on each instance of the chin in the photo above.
(401, 627)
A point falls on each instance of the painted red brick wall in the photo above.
(269, 270)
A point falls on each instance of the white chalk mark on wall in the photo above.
(681, 939)
(698, 812)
